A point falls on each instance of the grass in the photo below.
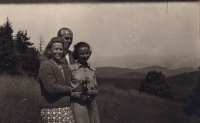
(135, 107)
(19, 97)
(18, 100)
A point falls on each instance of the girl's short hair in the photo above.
(55, 40)
(77, 46)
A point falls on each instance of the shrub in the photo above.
(154, 83)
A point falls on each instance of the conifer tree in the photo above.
(7, 55)
(27, 55)
(18, 55)
(22, 42)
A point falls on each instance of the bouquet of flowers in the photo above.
(85, 85)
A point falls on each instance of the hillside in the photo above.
(166, 71)
(132, 75)
(115, 72)
(21, 94)
(182, 85)
(110, 72)
(173, 72)
(184, 80)
(146, 69)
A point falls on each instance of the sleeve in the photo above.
(48, 79)
(68, 75)
(94, 91)
(95, 79)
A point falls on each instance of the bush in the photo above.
(154, 83)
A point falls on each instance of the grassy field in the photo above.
(19, 104)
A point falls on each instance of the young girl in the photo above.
(83, 80)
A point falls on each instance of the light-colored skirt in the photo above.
(85, 112)
(57, 115)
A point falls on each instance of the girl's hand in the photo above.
(90, 99)
(79, 96)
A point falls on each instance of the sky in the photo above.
(127, 35)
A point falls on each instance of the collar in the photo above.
(69, 52)
(80, 66)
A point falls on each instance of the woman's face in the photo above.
(56, 51)
(84, 54)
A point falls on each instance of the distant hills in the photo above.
(181, 81)
(111, 72)
(115, 72)
(184, 79)
(181, 85)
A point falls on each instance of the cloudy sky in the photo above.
(129, 35)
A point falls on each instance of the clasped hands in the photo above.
(85, 92)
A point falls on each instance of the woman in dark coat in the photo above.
(55, 86)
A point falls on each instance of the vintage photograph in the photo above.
(99, 61)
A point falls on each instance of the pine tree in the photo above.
(27, 55)
(22, 42)
(32, 62)
(7, 55)
(18, 55)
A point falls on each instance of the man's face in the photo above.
(68, 39)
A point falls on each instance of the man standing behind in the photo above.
(67, 35)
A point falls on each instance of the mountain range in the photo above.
(115, 72)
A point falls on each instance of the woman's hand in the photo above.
(72, 90)
(79, 96)
(92, 92)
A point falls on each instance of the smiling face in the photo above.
(56, 51)
(83, 54)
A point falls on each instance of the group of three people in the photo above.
(68, 83)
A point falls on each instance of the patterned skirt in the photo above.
(57, 115)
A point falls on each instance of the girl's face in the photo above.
(84, 54)
(56, 51)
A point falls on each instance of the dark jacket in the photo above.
(55, 90)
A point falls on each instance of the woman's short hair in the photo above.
(55, 40)
(77, 46)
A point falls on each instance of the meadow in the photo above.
(19, 104)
